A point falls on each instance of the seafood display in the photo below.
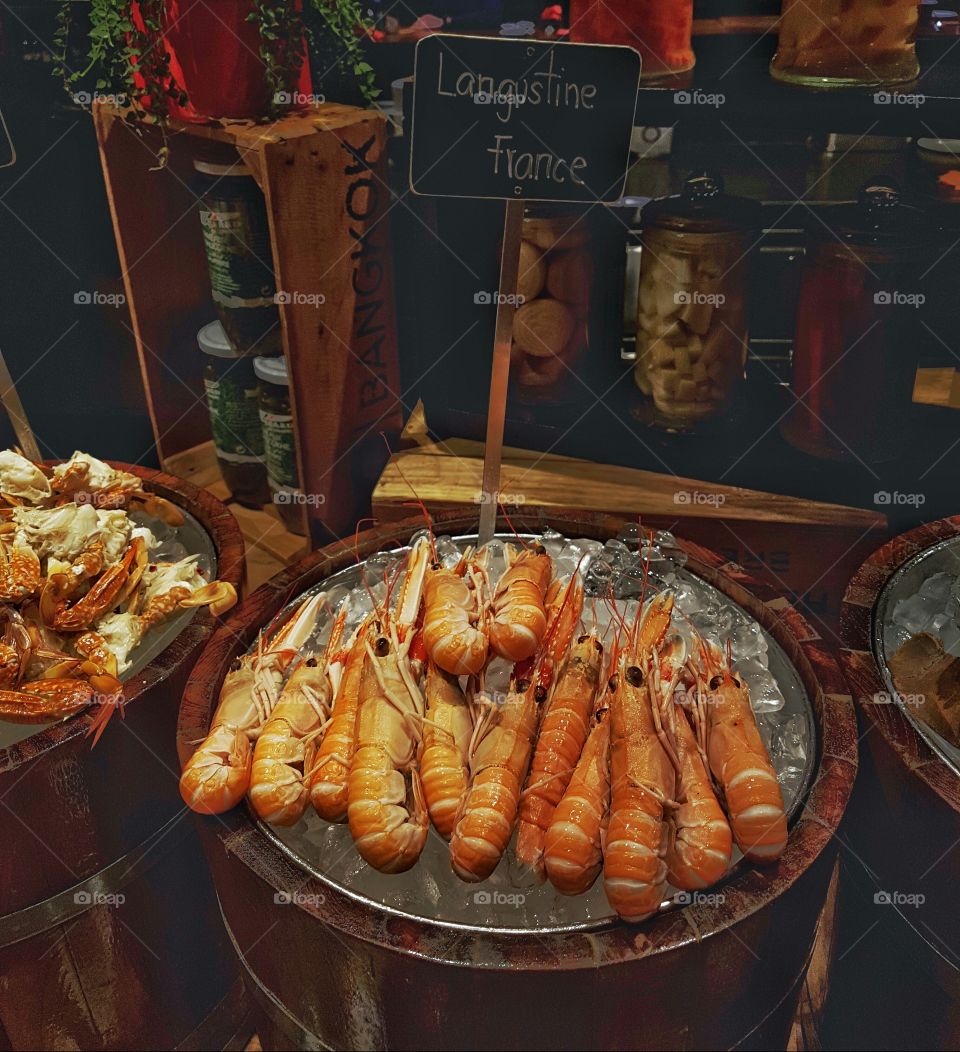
(555, 711)
(81, 585)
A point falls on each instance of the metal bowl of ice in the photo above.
(431, 891)
(922, 596)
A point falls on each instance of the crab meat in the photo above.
(65, 532)
(96, 475)
(21, 478)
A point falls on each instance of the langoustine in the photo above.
(739, 760)
(386, 810)
(564, 723)
(518, 618)
(573, 843)
(498, 763)
(445, 756)
(454, 617)
(285, 748)
(642, 775)
(330, 770)
(217, 776)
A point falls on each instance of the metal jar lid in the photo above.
(221, 170)
(272, 370)
(878, 217)
(213, 341)
(702, 207)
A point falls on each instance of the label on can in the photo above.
(234, 420)
(239, 257)
(280, 451)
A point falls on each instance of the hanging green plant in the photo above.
(122, 48)
(124, 54)
(336, 29)
(281, 47)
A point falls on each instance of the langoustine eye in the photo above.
(634, 676)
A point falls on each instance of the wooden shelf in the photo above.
(733, 60)
(270, 546)
(811, 547)
(323, 176)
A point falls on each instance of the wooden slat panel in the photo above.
(326, 198)
(164, 268)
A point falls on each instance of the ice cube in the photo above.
(894, 636)
(915, 612)
(937, 587)
(629, 536)
(747, 640)
(765, 695)
(950, 637)
(448, 551)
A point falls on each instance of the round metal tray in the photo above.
(942, 557)
(430, 891)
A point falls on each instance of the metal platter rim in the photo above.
(878, 648)
(588, 926)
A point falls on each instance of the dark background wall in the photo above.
(75, 364)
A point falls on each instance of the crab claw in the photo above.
(162, 509)
(219, 596)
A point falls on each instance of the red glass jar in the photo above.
(859, 329)
(659, 29)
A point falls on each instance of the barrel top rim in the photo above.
(747, 891)
(224, 531)
(864, 675)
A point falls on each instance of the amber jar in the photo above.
(692, 302)
(231, 390)
(279, 441)
(659, 29)
(859, 328)
(846, 43)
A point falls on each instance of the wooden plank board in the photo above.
(452, 481)
(811, 548)
(327, 198)
(270, 546)
(164, 269)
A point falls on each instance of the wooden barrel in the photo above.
(110, 935)
(902, 837)
(330, 972)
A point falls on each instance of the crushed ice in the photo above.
(934, 609)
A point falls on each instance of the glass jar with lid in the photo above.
(692, 303)
(551, 326)
(659, 29)
(860, 326)
(846, 43)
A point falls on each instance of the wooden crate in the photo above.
(322, 173)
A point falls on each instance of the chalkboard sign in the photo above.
(521, 119)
